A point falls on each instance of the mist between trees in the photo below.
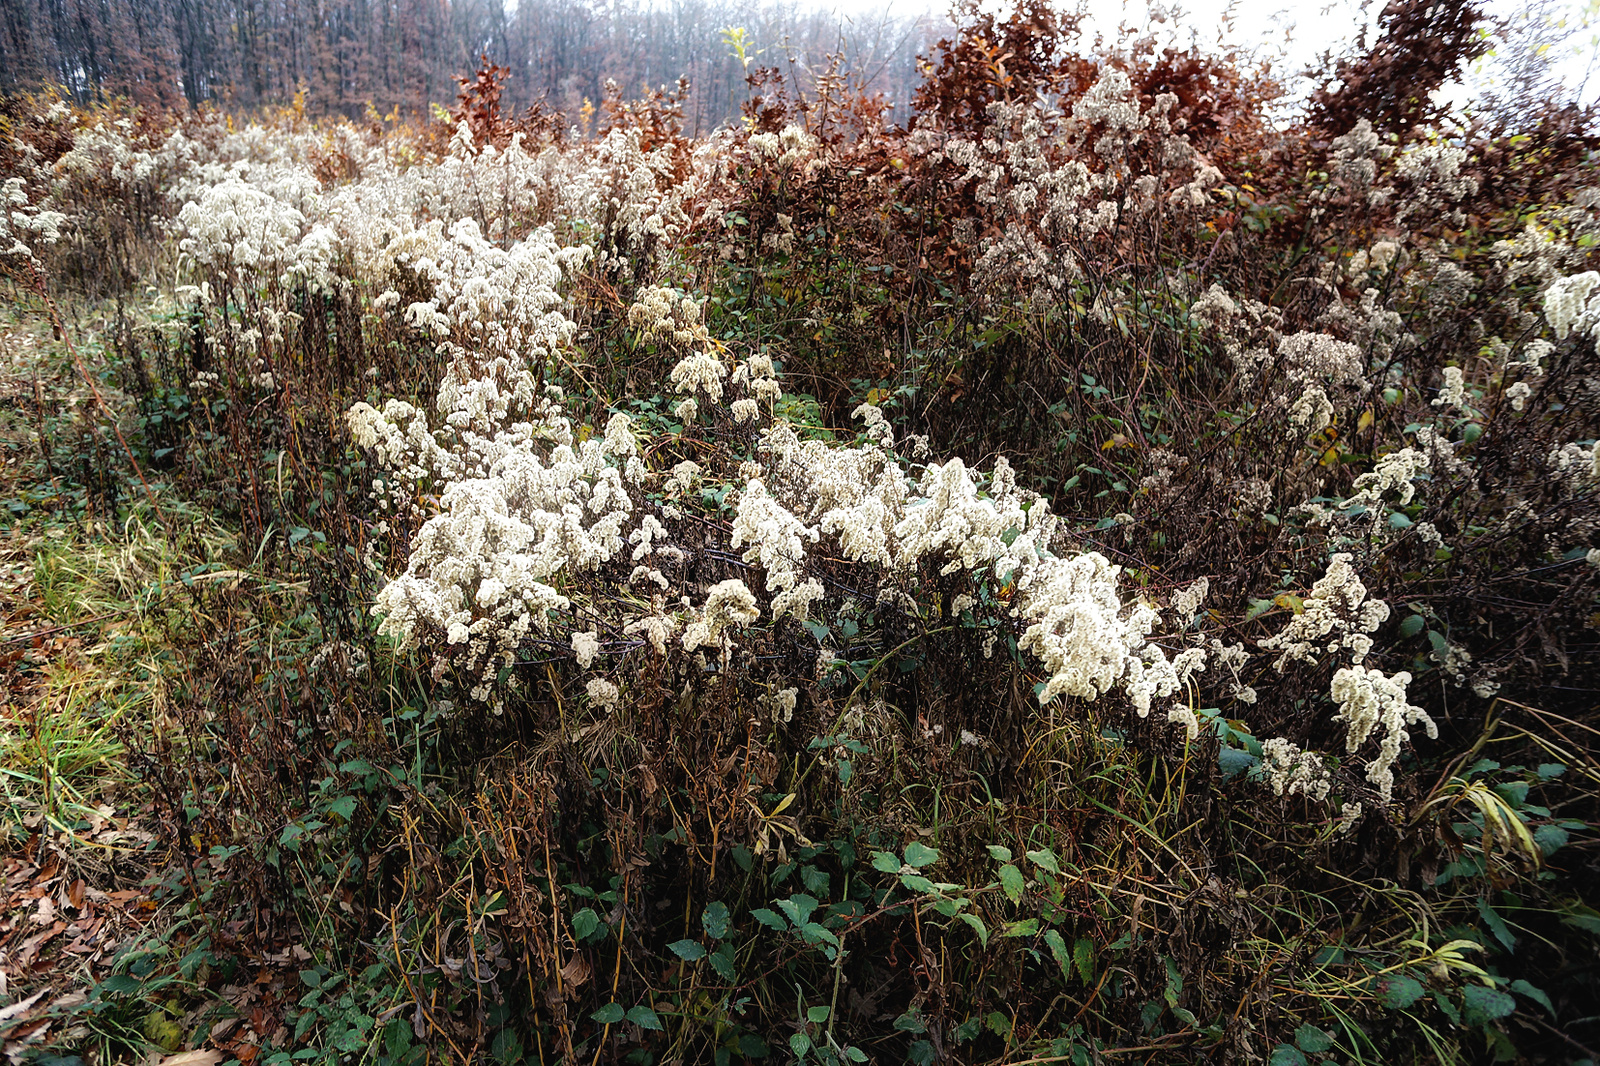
(343, 55)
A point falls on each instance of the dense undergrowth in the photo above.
(1095, 576)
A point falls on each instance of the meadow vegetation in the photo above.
(1103, 573)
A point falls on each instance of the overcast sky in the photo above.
(1294, 36)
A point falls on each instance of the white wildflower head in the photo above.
(1336, 616)
(1371, 703)
(603, 693)
(1453, 392)
(1289, 770)
(585, 646)
(730, 604)
(1572, 304)
(1393, 473)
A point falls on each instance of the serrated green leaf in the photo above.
(687, 950)
(999, 853)
(644, 1018)
(1537, 995)
(911, 1022)
(798, 907)
(584, 923)
(1011, 882)
(715, 918)
(815, 933)
(722, 961)
(1026, 927)
(1286, 1055)
(1311, 1040)
(1045, 859)
(1412, 625)
(610, 1014)
(1487, 1003)
(1550, 838)
(1496, 925)
(770, 919)
(1399, 991)
(1058, 948)
(977, 927)
(800, 1043)
(916, 883)
(919, 855)
(884, 862)
(1083, 958)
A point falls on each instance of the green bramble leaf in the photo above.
(644, 1018)
(687, 950)
(1398, 991)
(771, 919)
(1045, 859)
(919, 855)
(1083, 958)
(1311, 1040)
(1011, 882)
(584, 923)
(1537, 995)
(715, 919)
(1286, 1055)
(610, 1014)
(1486, 1004)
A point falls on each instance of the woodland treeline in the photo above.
(403, 54)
